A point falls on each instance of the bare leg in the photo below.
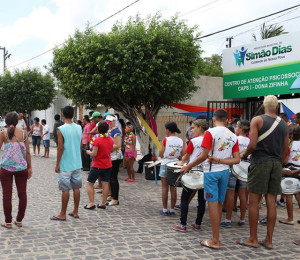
(128, 168)
(39, 149)
(173, 196)
(47, 154)
(91, 194)
(164, 192)
(215, 211)
(230, 198)
(34, 148)
(105, 192)
(76, 195)
(64, 204)
(289, 208)
(243, 202)
(271, 219)
(132, 169)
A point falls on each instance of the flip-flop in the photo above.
(287, 223)
(90, 208)
(57, 218)
(72, 215)
(205, 244)
(6, 225)
(264, 245)
(241, 242)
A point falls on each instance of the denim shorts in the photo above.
(163, 171)
(36, 140)
(70, 180)
(46, 143)
(95, 173)
(234, 183)
(215, 185)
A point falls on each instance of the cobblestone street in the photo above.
(132, 230)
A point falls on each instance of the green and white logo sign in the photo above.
(268, 67)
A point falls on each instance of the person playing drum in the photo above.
(193, 150)
(172, 148)
(294, 164)
(224, 148)
(242, 131)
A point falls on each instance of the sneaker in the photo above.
(172, 214)
(196, 227)
(263, 221)
(179, 228)
(164, 213)
(279, 203)
(241, 223)
(225, 224)
(177, 207)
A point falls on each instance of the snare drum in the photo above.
(173, 174)
(193, 180)
(290, 186)
(240, 171)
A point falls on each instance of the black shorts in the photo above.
(95, 173)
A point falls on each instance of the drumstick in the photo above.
(212, 153)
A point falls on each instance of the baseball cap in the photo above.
(95, 114)
(110, 118)
(172, 127)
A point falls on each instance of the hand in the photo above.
(57, 169)
(180, 163)
(87, 152)
(29, 173)
(185, 169)
(287, 172)
(213, 159)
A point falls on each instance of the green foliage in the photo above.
(151, 62)
(269, 31)
(26, 91)
(210, 66)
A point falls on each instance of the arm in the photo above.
(28, 158)
(60, 148)
(162, 151)
(117, 142)
(133, 145)
(184, 159)
(235, 159)
(94, 131)
(201, 158)
(1, 139)
(94, 152)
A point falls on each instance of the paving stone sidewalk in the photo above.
(133, 230)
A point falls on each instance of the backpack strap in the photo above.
(271, 129)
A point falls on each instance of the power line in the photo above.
(198, 8)
(104, 20)
(251, 21)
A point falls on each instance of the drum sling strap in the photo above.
(271, 129)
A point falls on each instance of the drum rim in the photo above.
(192, 187)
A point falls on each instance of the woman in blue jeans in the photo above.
(36, 133)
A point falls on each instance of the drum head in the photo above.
(193, 180)
(290, 186)
(173, 165)
(240, 171)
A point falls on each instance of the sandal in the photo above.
(112, 204)
(18, 224)
(7, 225)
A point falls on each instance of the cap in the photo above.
(95, 114)
(172, 127)
(110, 118)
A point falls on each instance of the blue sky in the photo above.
(28, 28)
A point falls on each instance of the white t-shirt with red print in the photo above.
(194, 148)
(294, 156)
(224, 150)
(243, 143)
(173, 147)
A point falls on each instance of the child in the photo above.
(224, 149)
(130, 152)
(294, 160)
(171, 150)
(193, 150)
(242, 131)
(46, 138)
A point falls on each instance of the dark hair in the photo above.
(296, 133)
(220, 115)
(122, 122)
(79, 122)
(68, 112)
(230, 127)
(298, 115)
(11, 119)
(91, 113)
(283, 115)
(172, 127)
(201, 116)
(44, 121)
(235, 116)
(103, 127)
(86, 118)
(57, 117)
(36, 119)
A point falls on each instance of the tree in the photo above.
(26, 91)
(150, 62)
(211, 66)
(269, 31)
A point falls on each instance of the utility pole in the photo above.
(6, 56)
(229, 39)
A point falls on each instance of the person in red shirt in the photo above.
(223, 147)
(101, 166)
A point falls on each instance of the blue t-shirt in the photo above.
(71, 157)
(116, 155)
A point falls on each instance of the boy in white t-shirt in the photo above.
(223, 146)
(46, 138)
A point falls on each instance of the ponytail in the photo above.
(11, 120)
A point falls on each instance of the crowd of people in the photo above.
(100, 144)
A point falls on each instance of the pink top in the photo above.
(85, 133)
